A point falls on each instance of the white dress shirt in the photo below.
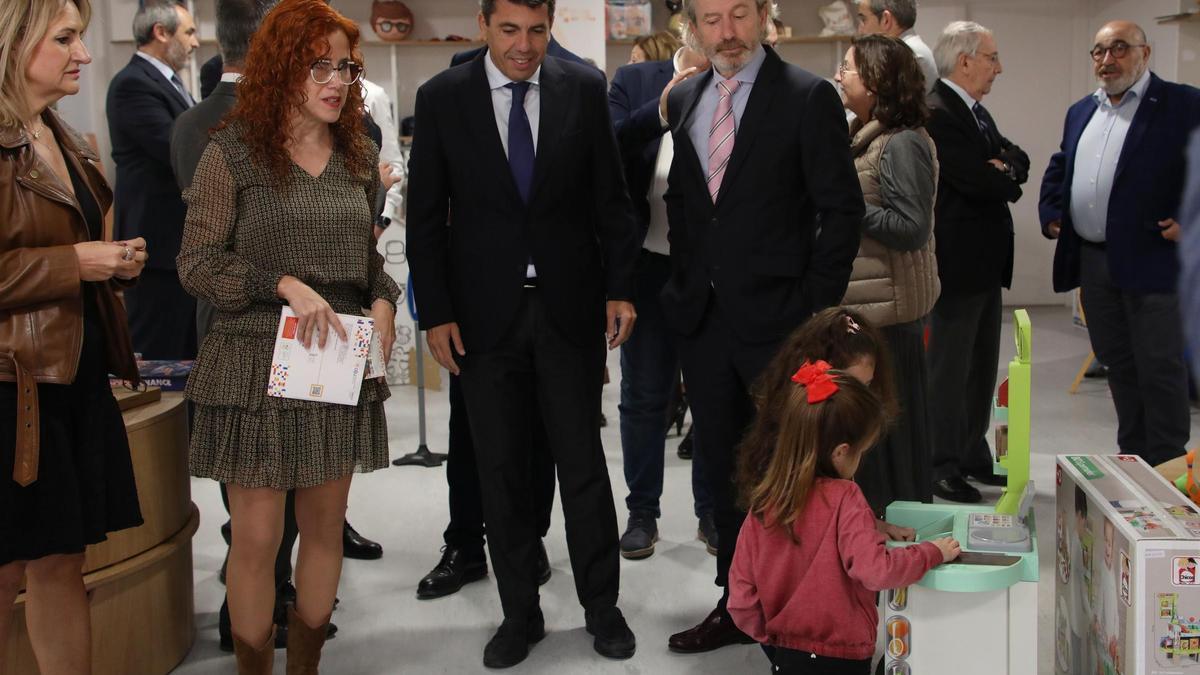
(379, 105)
(924, 57)
(656, 236)
(502, 106)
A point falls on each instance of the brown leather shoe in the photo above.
(716, 631)
(251, 661)
(304, 644)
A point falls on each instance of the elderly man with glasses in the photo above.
(1112, 197)
(981, 173)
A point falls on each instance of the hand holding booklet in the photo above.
(331, 375)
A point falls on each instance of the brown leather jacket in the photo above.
(41, 307)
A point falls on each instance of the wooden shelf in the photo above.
(424, 43)
(1186, 17)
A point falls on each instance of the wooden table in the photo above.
(139, 581)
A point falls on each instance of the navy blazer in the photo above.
(781, 239)
(1147, 188)
(577, 226)
(553, 49)
(142, 106)
(633, 103)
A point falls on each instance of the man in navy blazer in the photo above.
(1111, 196)
(143, 101)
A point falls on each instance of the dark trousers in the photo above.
(536, 366)
(792, 662)
(649, 367)
(1139, 336)
(466, 530)
(720, 370)
(963, 356)
(162, 317)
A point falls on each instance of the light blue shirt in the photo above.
(1096, 159)
(706, 108)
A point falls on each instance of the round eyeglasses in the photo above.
(348, 72)
(1118, 49)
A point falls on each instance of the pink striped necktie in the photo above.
(721, 136)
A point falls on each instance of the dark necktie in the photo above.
(182, 91)
(984, 119)
(520, 141)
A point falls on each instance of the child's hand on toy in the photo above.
(895, 532)
(949, 548)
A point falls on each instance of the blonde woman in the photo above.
(660, 46)
(66, 479)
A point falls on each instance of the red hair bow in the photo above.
(816, 379)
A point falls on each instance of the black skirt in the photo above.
(85, 486)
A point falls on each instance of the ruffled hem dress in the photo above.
(246, 229)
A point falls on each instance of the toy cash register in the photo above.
(982, 609)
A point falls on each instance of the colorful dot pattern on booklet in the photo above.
(278, 383)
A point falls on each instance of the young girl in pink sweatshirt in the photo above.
(810, 556)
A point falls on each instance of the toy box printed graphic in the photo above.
(331, 375)
(1127, 583)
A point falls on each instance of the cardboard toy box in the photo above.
(1126, 577)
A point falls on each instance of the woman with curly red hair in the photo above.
(280, 212)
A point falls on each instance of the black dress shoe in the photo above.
(613, 637)
(687, 446)
(543, 564)
(1096, 370)
(956, 489)
(455, 569)
(510, 645)
(358, 547)
(706, 531)
(716, 631)
(640, 535)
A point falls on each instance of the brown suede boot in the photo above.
(303, 644)
(251, 661)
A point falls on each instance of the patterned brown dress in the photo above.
(243, 232)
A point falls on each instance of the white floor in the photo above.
(384, 629)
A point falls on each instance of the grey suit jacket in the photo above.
(190, 134)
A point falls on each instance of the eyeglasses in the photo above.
(994, 57)
(843, 69)
(1118, 49)
(348, 72)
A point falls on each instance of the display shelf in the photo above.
(1185, 17)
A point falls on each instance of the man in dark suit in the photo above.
(650, 359)
(516, 290)
(463, 560)
(762, 156)
(143, 101)
(982, 171)
(1112, 197)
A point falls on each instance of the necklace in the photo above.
(36, 134)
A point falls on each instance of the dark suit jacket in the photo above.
(553, 49)
(781, 239)
(190, 135)
(633, 104)
(578, 226)
(210, 75)
(142, 106)
(972, 223)
(1148, 187)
